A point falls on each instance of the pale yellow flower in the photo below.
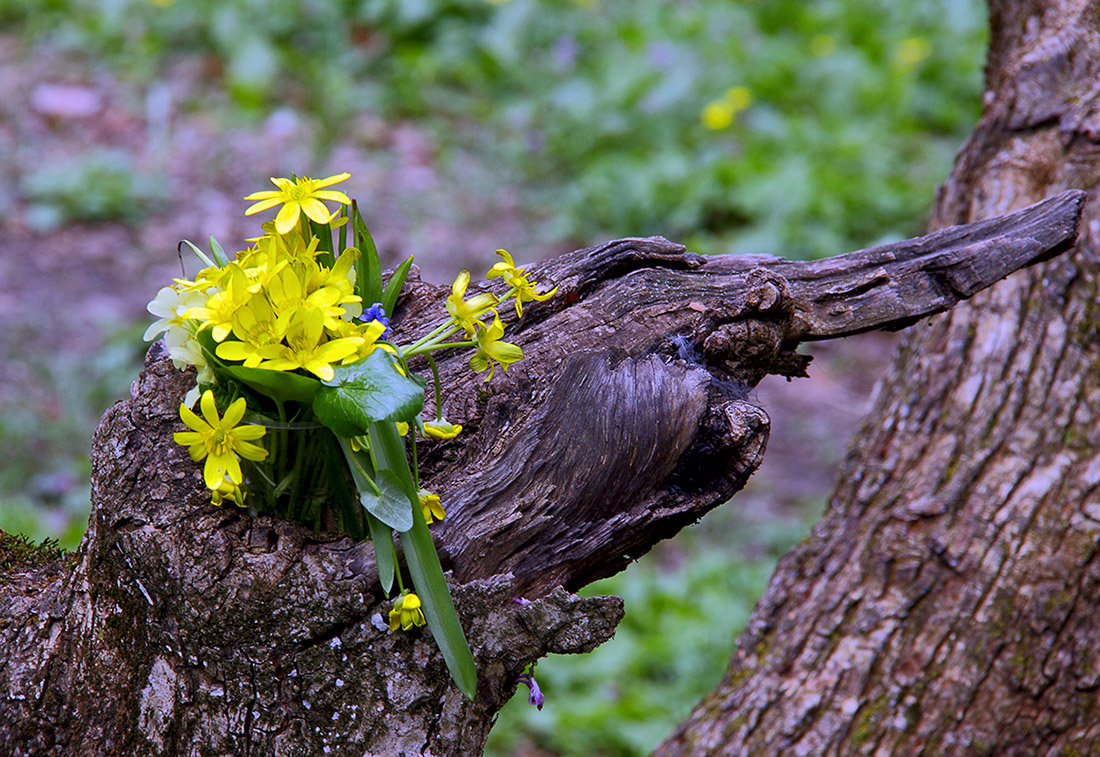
(465, 313)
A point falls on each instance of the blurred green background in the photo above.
(797, 127)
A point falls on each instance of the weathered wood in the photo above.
(895, 285)
(643, 425)
(185, 628)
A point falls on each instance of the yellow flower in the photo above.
(368, 335)
(297, 197)
(429, 503)
(517, 279)
(304, 349)
(219, 440)
(406, 612)
(466, 312)
(491, 350)
(912, 51)
(263, 262)
(256, 326)
(719, 114)
(441, 429)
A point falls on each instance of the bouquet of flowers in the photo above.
(308, 409)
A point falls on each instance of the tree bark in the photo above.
(947, 603)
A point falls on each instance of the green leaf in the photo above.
(349, 507)
(384, 558)
(323, 232)
(280, 386)
(198, 253)
(343, 233)
(424, 566)
(219, 254)
(439, 609)
(366, 392)
(381, 535)
(368, 269)
(393, 286)
(390, 504)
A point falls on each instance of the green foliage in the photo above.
(46, 435)
(99, 185)
(594, 110)
(685, 606)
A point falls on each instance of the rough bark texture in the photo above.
(947, 604)
(182, 628)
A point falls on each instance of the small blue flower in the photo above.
(378, 313)
(536, 698)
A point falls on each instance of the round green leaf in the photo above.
(368, 391)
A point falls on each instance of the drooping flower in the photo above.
(297, 197)
(220, 440)
(429, 503)
(442, 429)
(228, 492)
(406, 612)
(465, 313)
(491, 350)
(517, 279)
(536, 697)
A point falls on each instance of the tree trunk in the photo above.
(947, 603)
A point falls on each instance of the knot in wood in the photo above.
(745, 434)
(742, 337)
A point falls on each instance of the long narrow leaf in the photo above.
(368, 269)
(343, 236)
(393, 286)
(382, 537)
(324, 242)
(198, 253)
(439, 609)
(425, 569)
